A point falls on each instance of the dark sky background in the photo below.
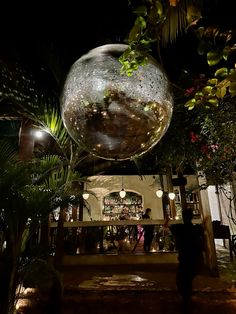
(48, 38)
(38, 33)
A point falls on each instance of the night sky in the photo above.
(64, 31)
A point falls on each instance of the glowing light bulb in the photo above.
(122, 193)
(171, 196)
(38, 134)
(159, 193)
(85, 195)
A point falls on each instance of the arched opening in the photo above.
(129, 207)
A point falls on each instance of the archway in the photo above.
(129, 207)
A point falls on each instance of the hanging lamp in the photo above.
(122, 192)
(85, 193)
(171, 196)
(159, 193)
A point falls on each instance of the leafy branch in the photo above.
(219, 48)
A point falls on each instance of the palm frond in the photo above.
(8, 152)
(38, 200)
(14, 176)
(178, 17)
(46, 164)
(33, 102)
(174, 23)
(57, 180)
(52, 122)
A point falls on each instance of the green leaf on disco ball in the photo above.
(123, 116)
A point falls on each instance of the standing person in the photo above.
(148, 231)
(189, 244)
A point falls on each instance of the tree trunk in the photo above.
(211, 258)
(81, 203)
(170, 189)
(74, 230)
(26, 142)
(76, 186)
(182, 192)
(44, 237)
(60, 241)
(9, 276)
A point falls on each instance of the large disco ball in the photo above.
(111, 115)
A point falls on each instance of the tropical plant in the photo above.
(203, 139)
(220, 82)
(157, 22)
(212, 96)
(29, 192)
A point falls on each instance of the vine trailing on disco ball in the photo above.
(131, 59)
(113, 116)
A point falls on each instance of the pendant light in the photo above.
(122, 192)
(85, 193)
(171, 196)
(159, 193)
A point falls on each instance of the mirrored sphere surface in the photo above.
(111, 115)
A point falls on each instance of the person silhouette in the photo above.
(189, 244)
(148, 231)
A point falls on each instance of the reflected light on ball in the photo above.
(111, 115)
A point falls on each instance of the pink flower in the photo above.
(189, 91)
(214, 147)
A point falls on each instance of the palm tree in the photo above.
(30, 190)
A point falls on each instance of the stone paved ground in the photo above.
(144, 289)
(130, 302)
(137, 302)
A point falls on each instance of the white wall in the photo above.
(220, 207)
(220, 204)
(214, 207)
(100, 186)
(227, 207)
(214, 203)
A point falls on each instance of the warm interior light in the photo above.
(171, 195)
(122, 193)
(85, 195)
(159, 193)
